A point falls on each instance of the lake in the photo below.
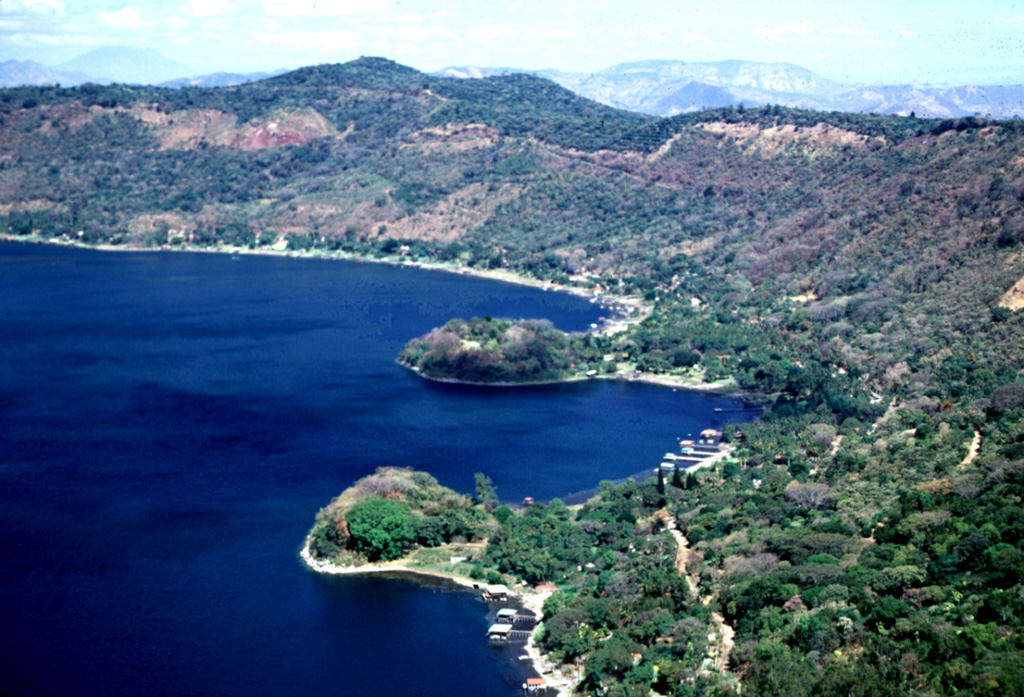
(170, 423)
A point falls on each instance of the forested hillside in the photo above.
(862, 273)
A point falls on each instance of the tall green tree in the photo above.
(381, 528)
(485, 492)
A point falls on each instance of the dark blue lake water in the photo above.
(171, 423)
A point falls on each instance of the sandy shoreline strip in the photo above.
(326, 567)
(502, 275)
(675, 382)
(559, 682)
(638, 308)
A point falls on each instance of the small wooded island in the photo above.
(499, 351)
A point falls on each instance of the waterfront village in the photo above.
(512, 624)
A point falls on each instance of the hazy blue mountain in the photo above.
(17, 73)
(665, 88)
(950, 102)
(470, 71)
(693, 96)
(219, 79)
(129, 65)
(781, 78)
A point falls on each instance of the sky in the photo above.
(921, 42)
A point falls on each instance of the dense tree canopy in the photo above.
(380, 528)
(501, 351)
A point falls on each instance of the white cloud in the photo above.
(904, 33)
(493, 32)
(412, 33)
(125, 18)
(1015, 22)
(803, 28)
(318, 40)
(854, 33)
(691, 38)
(289, 8)
(34, 39)
(323, 8)
(208, 8)
(552, 34)
(41, 7)
(176, 23)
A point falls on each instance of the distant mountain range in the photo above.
(658, 87)
(128, 65)
(119, 64)
(666, 88)
(219, 79)
(18, 73)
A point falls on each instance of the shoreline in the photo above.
(676, 383)
(640, 309)
(558, 682)
(326, 567)
(500, 275)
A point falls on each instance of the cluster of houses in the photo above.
(692, 453)
(504, 630)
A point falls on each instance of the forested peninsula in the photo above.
(864, 273)
(495, 351)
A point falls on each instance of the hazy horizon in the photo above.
(874, 42)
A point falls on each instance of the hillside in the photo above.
(861, 272)
(774, 242)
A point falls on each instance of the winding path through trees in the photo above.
(726, 632)
(972, 451)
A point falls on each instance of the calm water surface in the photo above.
(170, 424)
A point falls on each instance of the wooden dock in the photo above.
(701, 453)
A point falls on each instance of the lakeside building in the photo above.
(534, 685)
(495, 593)
(499, 631)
